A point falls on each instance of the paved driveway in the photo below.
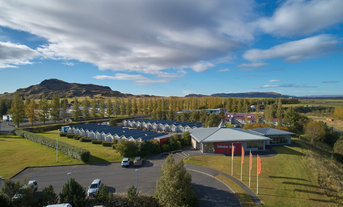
(210, 192)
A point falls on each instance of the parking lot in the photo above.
(210, 191)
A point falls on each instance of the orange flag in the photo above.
(259, 165)
(250, 161)
(233, 150)
(243, 155)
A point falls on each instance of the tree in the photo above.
(85, 110)
(291, 117)
(17, 110)
(315, 131)
(186, 138)
(31, 111)
(55, 108)
(132, 193)
(9, 188)
(64, 106)
(122, 107)
(109, 107)
(43, 109)
(279, 113)
(213, 120)
(76, 196)
(174, 186)
(129, 107)
(102, 108)
(76, 109)
(102, 195)
(338, 147)
(113, 122)
(126, 148)
(116, 110)
(48, 196)
(134, 106)
(4, 201)
(94, 110)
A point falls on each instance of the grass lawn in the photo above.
(99, 154)
(286, 179)
(16, 153)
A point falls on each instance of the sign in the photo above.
(225, 148)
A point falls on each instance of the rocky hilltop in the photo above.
(65, 89)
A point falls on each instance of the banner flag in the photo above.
(233, 150)
(259, 165)
(243, 155)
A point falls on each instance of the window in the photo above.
(208, 147)
(258, 145)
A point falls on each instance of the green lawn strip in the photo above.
(99, 154)
(17, 153)
(286, 179)
(244, 197)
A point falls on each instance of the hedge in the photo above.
(70, 135)
(62, 134)
(86, 139)
(107, 144)
(70, 150)
(97, 141)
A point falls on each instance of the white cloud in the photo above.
(187, 92)
(251, 66)
(137, 79)
(12, 55)
(300, 17)
(274, 81)
(225, 70)
(296, 50)
(288, 86)
(145, 37)
(68, 63)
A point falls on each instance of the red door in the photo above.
(225, 148)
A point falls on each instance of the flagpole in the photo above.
(257, 174)
(249, 167)
(232, 151)
(56, 148)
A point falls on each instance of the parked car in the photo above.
(94, 187)
(137, 161)
(31, 184)
(125, 162)
(60, 205)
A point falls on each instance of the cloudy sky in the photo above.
(176, 47)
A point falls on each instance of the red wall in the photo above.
(225, 148)
(163, 141)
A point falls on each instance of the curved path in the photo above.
(209, 190)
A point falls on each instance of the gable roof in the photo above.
(215, 134)
(270, 131)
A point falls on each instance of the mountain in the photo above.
(245, 95)
(65, 89)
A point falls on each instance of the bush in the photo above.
(78, 137)
(70, 135)
(85, 139)
(107, 144)
(70, 150)
(166, 148)
(97, 141)
(76, 196)
(63, 134)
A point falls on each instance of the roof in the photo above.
(270, 131)
(96, 181)
(176, 123)
(216, 134)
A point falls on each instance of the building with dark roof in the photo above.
(277, 136)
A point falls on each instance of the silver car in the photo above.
(94, 187)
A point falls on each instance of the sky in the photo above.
(175, 48)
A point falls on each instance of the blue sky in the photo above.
(173, 48)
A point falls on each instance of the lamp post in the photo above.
(69, 173)
(136, 178)
(0, 181)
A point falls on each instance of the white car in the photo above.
(125, 162)
(60, 205)
(94, 187)
(31, 184)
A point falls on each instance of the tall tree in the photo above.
(101, 108)
(76, 196)
(129, 107)
(31, 111)
(315, 131)
(134, 107)
(291, 117)
(279, 113)
(122, 107)
(43, 109)
(94, 109)
(116, 110)
(109, 107)
(174, 186)
(55, 108)
(64, 107)
(76, 109)
(17, 110)
(85, 109)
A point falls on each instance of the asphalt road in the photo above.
(210, 192)
(5, 128)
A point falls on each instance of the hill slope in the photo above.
(245, 95)
(65, 89)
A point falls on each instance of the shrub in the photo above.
(63, 134)
(97, 141)
(107, 144)
(70, 150)
(166, 148)
(85, 139)
(78, 137)
(70, 135)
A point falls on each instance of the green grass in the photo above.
(99, 154)
(286, 179)
(16, 153)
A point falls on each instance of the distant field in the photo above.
(286, 179)
(16, 153)
(99, 154)
(292, 105)
(337, 124)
